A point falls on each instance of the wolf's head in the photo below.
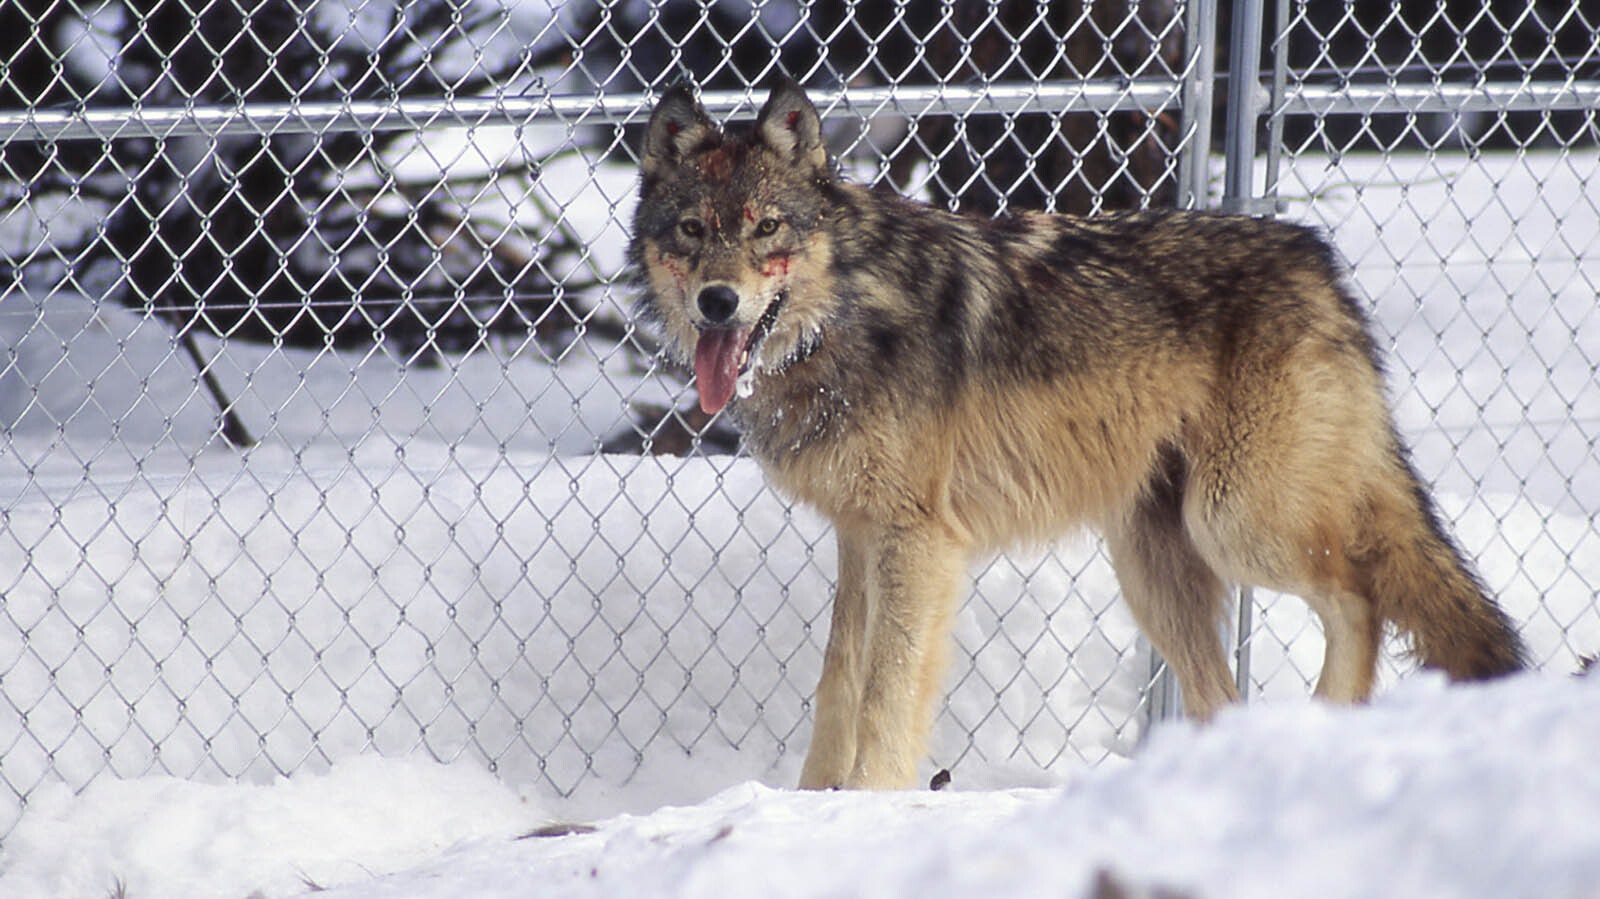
(729, 237)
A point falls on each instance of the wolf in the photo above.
(1203, 389)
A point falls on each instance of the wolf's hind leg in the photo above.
(1175, 596)
(1352, 630)
(1278, 493)
(838, 701)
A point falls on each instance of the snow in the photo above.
(160, 836)
(1478, 791)
(405, 570)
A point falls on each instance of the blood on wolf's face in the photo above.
(726, 232)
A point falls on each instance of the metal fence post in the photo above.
(1244, 86)
(1199, 74)
(1243, 111)
(1164, 700)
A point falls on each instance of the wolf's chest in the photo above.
(782, 426)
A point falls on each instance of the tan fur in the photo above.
(1201, 389)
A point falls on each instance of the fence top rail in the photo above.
(1315, 99)
(594, 109)
(1149, 94)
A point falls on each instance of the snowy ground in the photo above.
(1433, 791)
(422, 564)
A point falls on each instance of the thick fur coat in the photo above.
(1202, 389)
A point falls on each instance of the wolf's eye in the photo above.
(692, 228)
(767, 227)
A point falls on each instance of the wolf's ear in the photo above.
(789, 125)
(678, 124)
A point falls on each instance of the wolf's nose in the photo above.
(718, 303)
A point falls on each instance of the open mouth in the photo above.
(724, 358)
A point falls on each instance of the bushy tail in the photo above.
(1421, 582)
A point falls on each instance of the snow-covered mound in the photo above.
(1433, 791)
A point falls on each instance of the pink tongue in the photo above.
(716, 366)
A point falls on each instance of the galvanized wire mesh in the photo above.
(1451, 151)
(322, 411)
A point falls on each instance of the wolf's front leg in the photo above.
(912, 574)
(838, 702)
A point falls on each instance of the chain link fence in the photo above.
(1451, 153)
(325, 428)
